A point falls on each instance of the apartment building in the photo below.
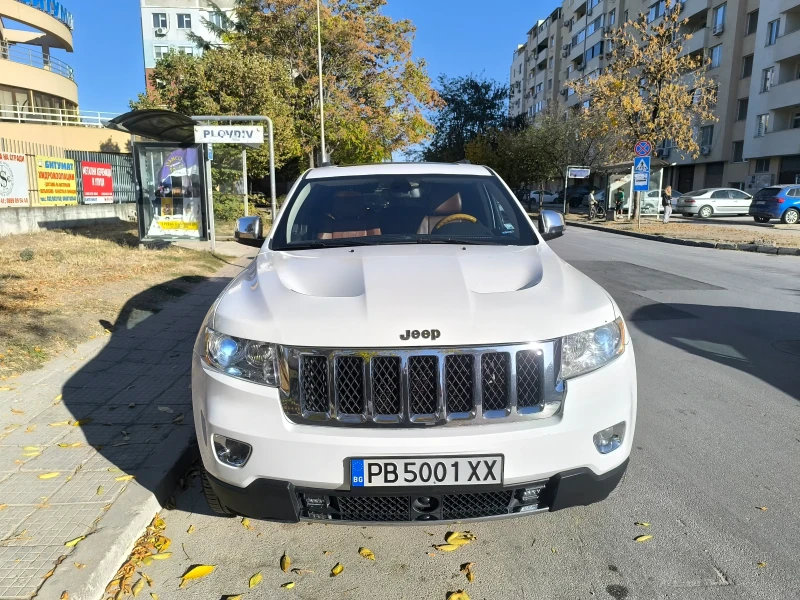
(166, 25)
(754, 48)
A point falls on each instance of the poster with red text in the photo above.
(98, 187)
(13, 180)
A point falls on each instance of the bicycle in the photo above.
(596, 210)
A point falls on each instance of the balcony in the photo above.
(32, 69)
(774, 143)
(784, 94)
(692, 7)
(787, 5)
(34, 57)
(787, 46)
(698, 41)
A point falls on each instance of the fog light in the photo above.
(609, 439)
(231, 452)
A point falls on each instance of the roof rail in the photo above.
(463, 161)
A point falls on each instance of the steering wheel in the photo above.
(455, 218)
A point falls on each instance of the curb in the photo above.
(106, 550)
(783, 251)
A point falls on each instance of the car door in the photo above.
(721, 202)
(740, 201)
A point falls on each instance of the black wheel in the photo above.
(212, 499)
(791, 217)
(705, 212)
(761, 219)
(575, 202)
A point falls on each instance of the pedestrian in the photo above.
(666, 202)
(619, 200)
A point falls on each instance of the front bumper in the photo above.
(289, 458)
(282, 501)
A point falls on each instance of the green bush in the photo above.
(229, 207)
(26, 255)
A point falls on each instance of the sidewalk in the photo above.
(73, 433)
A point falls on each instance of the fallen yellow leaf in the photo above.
(246, 523)
(641, 524)
(761, 507)
(255, 580)
(100, 490)
(60, 424)
(160, 556)
(446, 547)
(286, 563)
(467, 569)
(196, 573)
(458, 538)
(459, 595)
(642, 538)
(302, 571)
(337, 570)
(114, 470)
(74, 542)
(147, 579)
(30, 429)
(79, 565)
(191, 529)
(761, 565)
(236, 597)
(158, 522)
(72, 445)
(64, 595)
(3, 506)
(124, 477)
(31, 454)
(289, 585)
(58, 398)
(137, 587)
(15, 411)
(154, 596)
(31, 449)
(82, 422)
(49, 475)
(327, 552)
(366, 553)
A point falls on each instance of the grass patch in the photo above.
(57, 286)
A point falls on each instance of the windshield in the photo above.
(401, 209)
(768, 192)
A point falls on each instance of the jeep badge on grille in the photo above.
(425, 334)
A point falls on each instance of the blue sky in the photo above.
(456, 37)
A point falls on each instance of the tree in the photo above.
(651, 90)
(376, 95)
(473, 106)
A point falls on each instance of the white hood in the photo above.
(367, 296)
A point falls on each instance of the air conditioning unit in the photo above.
(565, 54)
(580, 67)
(563, 92)
(161, 31)
(718, 29)
(589, 12)
(705, 150)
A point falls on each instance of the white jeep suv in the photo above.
(406, 347)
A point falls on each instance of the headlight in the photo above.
(246, 359)
(589, 350)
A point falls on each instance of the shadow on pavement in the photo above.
(761, 343)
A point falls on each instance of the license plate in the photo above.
(761, 202)
(415, 472)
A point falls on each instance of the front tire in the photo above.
(791, 217)
(761, 219)
(211, 497)
(705, 212)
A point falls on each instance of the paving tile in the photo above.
(117, 350)
(127, 458)
(115, 414)
(158, 344)
(153, 415)
(27, 488)
(94, 434)
(7, 430)
(82, 488)
(54, 458)
(97, 365)
(37, 434)
(56, 525)
(11, 517)
(76, 396)
(55, 414)
(107, 380)
(22, 568)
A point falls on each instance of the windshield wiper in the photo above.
(315, 244)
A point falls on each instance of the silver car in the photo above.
(714, 201)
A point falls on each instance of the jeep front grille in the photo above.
(409, 387)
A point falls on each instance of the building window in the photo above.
(752, 22)
(160, 51)
(539, 87)
(160, 20)
(706, 135)
(549, 84)
(738, 152)
(216, 19)
(747, 66)
(552, 41)
(796, 121)
(594, 26)
(656, 10)
(719, 17)
(762, 165)
(762, 123)
(741, 109)
(625, 17)
(595, 50)
(766, 79)
(716, 56)
(612, 17)
(772, 31)
(184, 21)
(552, 62)
(186, 50)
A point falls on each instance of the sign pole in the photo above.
(244, 180)
(210, 198)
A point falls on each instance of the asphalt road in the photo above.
(718, 435)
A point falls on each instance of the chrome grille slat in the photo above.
(417, 387)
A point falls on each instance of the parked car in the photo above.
(576, 194)
(777, 202)
(652, 200)
(714, 201)
(345, 374)
(547, 197)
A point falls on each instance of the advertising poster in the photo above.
(175, 201)
(57, 183)
(13, 180)
(98, 187)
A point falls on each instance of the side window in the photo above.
(720, 194)
(795, 193)
(502, 210)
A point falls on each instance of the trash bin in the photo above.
(610, 213)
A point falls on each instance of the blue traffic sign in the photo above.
(643, 148)
(641, 173)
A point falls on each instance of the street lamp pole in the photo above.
(321, 100)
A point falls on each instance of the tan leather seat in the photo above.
(451, 206)
(349, 218)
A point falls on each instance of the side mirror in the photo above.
(249, 231)
(551, 224)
